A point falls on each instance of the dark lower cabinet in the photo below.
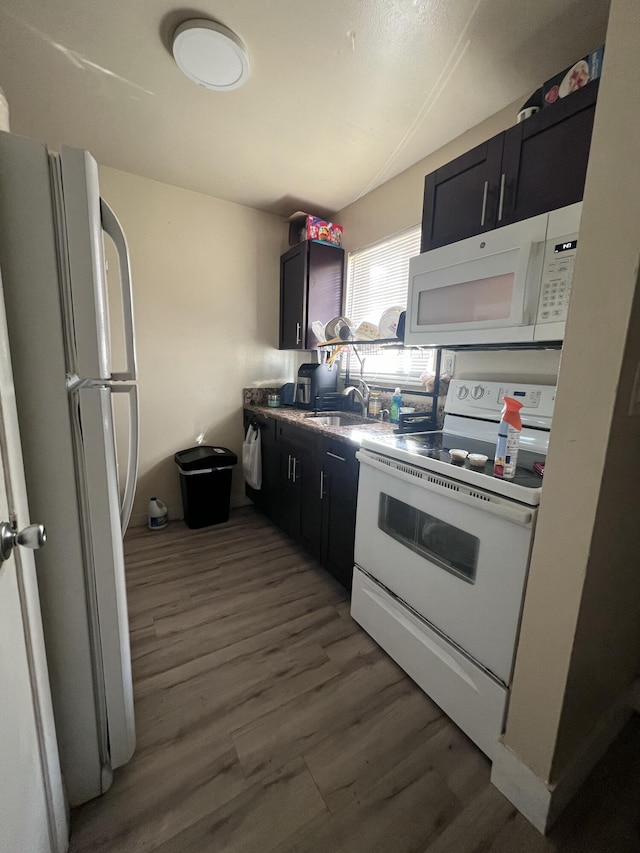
(299, 509)
(266, 498)
(311, 492)
(340, 495)
(310, 483)
(287, 512)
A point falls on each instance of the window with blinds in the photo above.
(377, 279)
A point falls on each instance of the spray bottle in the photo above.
(508, 439)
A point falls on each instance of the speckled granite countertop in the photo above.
(299, 417)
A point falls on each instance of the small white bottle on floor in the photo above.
(157, 515)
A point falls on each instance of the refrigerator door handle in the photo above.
(113, 229)
(133, 453)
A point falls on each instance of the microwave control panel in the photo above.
(557, 275)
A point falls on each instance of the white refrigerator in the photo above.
(52, 259)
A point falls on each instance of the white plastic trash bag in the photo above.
(252, 458)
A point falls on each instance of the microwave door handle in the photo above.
(113, 229)
(529, 283)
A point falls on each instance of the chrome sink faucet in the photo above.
(362, 396)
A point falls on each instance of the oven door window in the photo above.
(444, 545)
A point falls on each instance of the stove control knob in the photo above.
(477, 392)
(462, 392)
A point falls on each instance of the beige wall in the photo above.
(580, 641)
(206, 294)
(397, 205)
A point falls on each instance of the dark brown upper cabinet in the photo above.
(544, 159)
(311, 283)
(461, 198)
(538, 165)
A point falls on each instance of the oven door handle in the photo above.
(449, 489)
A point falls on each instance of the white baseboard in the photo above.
(530, 794)
(540, 802)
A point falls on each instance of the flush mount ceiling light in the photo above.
(210, 55)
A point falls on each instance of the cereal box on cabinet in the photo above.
(304, 226)
(573, 78)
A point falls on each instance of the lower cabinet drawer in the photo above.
(341, 450)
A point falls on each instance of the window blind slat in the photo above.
(377, 279)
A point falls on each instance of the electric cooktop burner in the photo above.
(436, 445)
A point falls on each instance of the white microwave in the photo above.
(510, 285)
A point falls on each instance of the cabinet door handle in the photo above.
(298, 328)
(501, 202)
(484, 203)
(321, 485)
(289, 467)
(335, 456)
(295, 465)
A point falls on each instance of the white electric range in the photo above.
(442, 550)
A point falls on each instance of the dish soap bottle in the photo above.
(508, 439)
(396, 402)
(157, 514)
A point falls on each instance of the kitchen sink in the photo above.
(338, 420)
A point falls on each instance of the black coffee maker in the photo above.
(313, 383)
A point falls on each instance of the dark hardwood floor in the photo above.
(267, 720)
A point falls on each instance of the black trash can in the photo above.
(205, 483)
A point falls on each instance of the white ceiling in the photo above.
(343, 95)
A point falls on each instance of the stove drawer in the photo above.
(469, 696)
